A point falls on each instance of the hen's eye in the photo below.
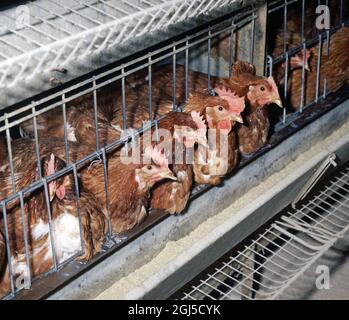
(262, 88)
(149, 167)
(220, 108)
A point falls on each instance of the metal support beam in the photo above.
(259, 54)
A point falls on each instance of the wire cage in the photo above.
(211, 48)
(39, 36)
(270, 261)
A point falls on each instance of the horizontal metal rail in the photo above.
(88, 28)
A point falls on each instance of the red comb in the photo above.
(199, 120)
(51, 165)
(236, 103)
(273, 85)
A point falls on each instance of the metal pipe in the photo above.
(318, 69)
(8, 248)
(187, 70)
(78, 207)
(25, 237)
(10, 158)
(37, 151)
(66, 144)
(106, 188)
(209, 60)
(150, 90)
(174, 62)
(95, 112)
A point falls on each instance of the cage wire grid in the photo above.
(42, 35)
(277, 256)
(62, 98)
(321, 41)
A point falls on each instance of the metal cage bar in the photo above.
(272, 272)
(96, 82)
(90, 24)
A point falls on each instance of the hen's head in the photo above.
(154, 169)
(297, 61)
(51, 165)
(236, 103)
(220, 112)
(264, 92)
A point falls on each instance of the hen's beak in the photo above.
(168, 174)
(307, 67)
(237, 118)
(278, 102)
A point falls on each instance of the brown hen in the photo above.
(129, 186)
(211, 164)
(185, 131)
(25, 164)
(80, 127)
(258, 92)
(65, 227)
(334, 68)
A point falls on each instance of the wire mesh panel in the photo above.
(303, 55)
(274, 259)
(50, 172)
(39, 36)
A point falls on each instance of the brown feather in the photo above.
(162, 82)
(243, 67)
(227, 149)
(3, 150)
(173, 196)
(253, 134)
(227, 152)
(334, 67)
(35, 212)
(126, 200)
(80, 126)
(243, 77)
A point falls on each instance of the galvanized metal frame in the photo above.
(274, 258)
(118, 73)
(84, 34)
(282, 7)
